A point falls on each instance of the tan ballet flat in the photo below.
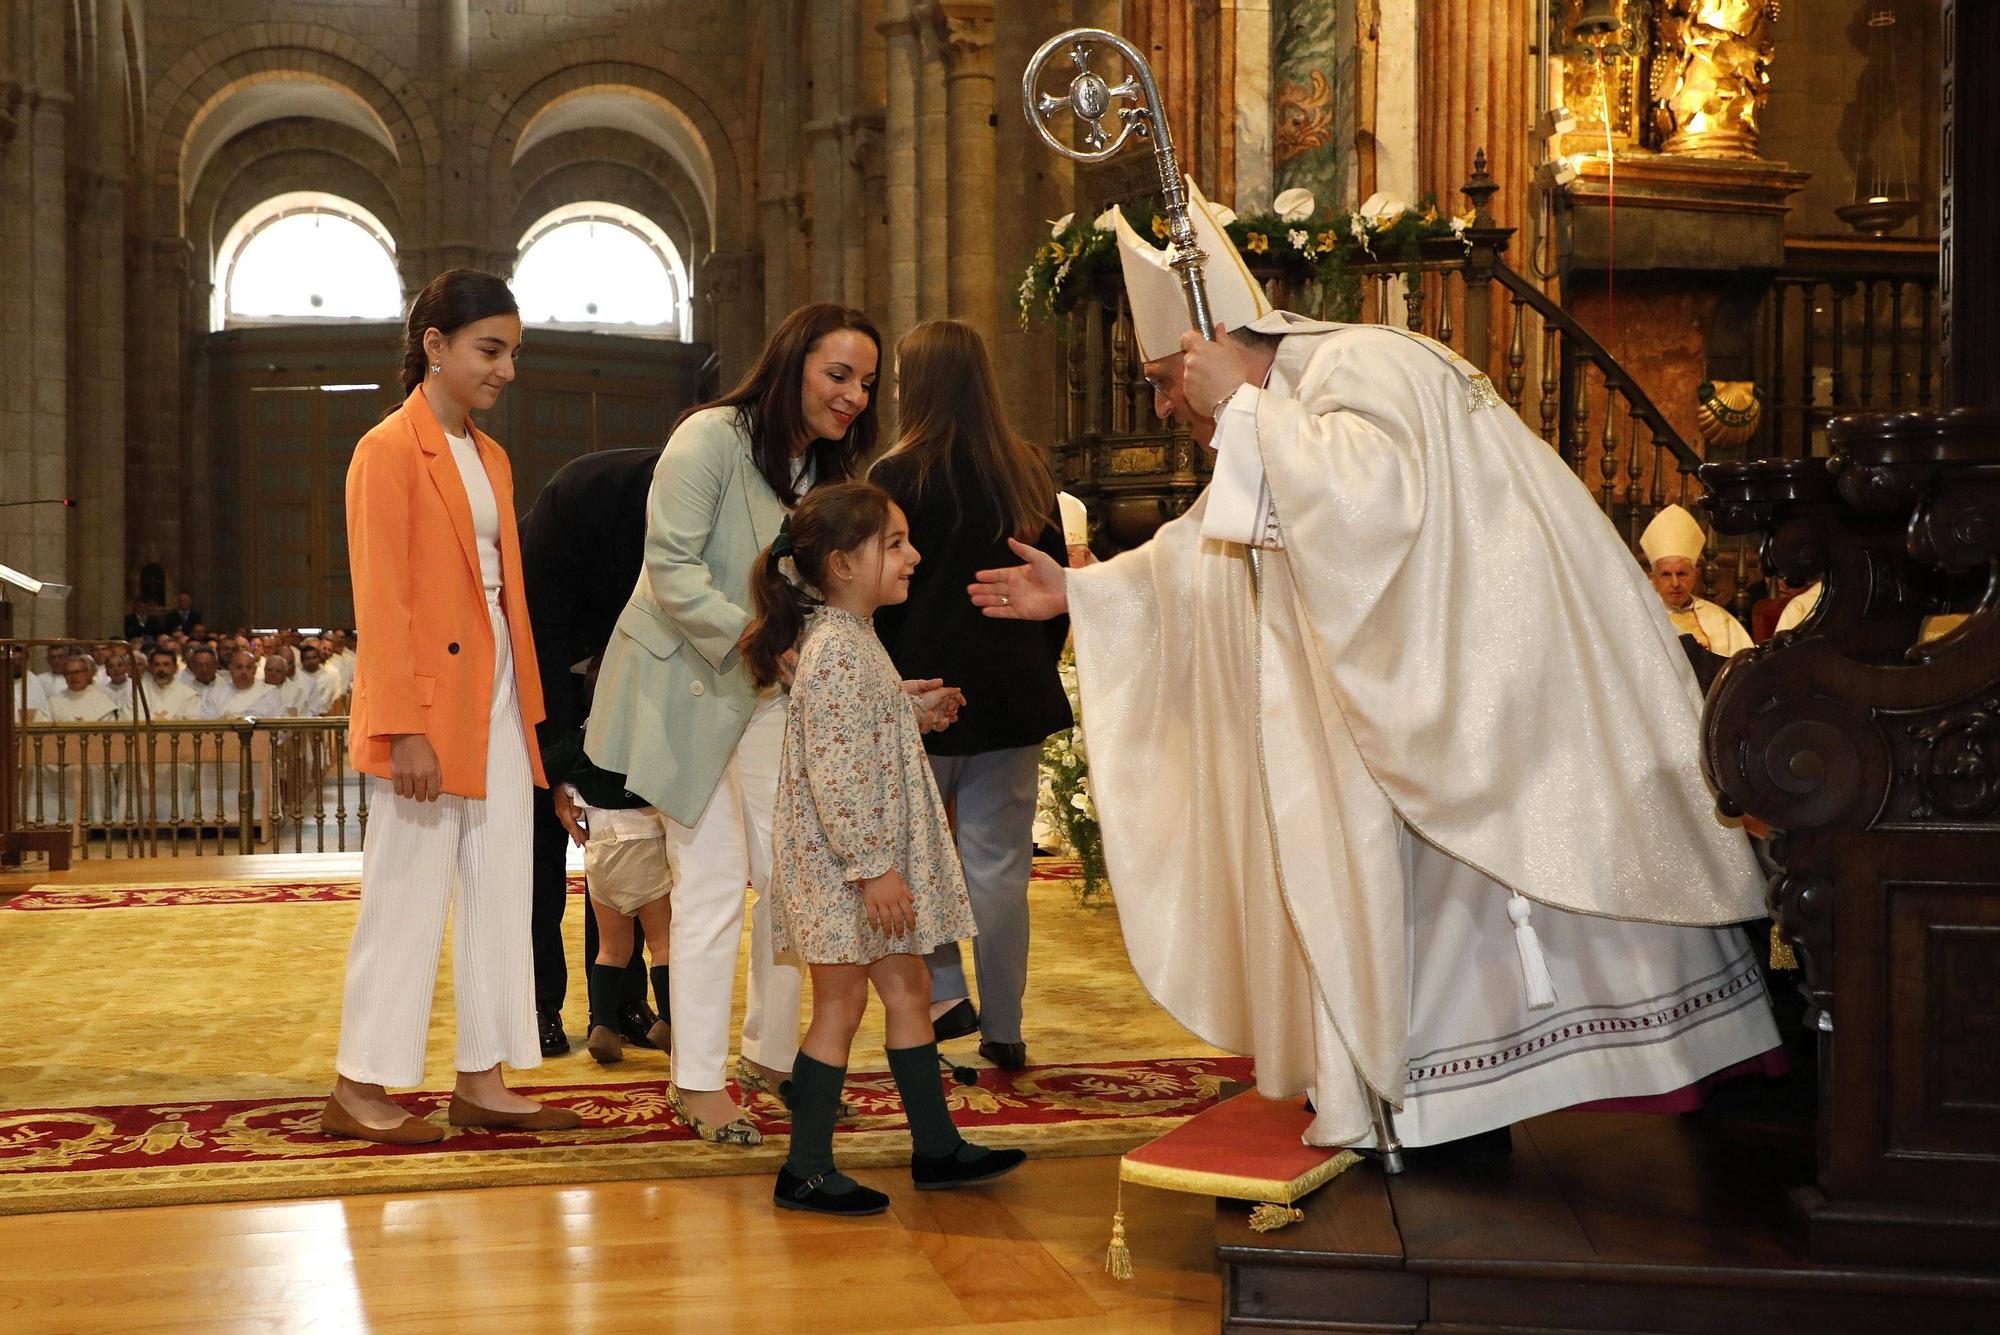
(335, 1120)
(753, 1081)
(464, 1112)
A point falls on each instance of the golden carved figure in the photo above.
(1711, 74)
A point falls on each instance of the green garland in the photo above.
(1322, 250)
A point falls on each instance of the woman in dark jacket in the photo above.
(968, 483)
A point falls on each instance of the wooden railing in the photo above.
(190, 788)
(1135, 473)
(1847, 327)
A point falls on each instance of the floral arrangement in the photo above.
(1066, 799)
(1305, 246)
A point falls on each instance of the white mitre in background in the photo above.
(1673, 532)
(1159, 310)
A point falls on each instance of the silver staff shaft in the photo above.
(1090, 97)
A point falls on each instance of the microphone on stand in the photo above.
(67, 502)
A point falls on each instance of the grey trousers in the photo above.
(996, 793)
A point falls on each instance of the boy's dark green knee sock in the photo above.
(932, 1132)
(815, 1096)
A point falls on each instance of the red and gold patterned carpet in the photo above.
(174, 1043)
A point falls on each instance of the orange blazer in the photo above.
(425, 652)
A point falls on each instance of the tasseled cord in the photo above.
(1118, 1257)
(1534, 967)
(1782, 954)
(1268, 1218)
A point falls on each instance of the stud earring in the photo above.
(437, 368)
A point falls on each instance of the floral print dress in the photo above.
(856, 799)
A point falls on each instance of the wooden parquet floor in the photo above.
(691, 1255)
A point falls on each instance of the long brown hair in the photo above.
(769, 400)
(948, 402)
(836, 518)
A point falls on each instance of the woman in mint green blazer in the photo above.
(675, 711)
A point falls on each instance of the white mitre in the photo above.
(1159, 310)
(1673, 532)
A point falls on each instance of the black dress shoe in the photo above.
(548, 1024)
(957, 1022)
(1006, 1056)
(810, 1193)
(963, 1167)
(638, 1025)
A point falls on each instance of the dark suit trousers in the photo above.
(551, 897)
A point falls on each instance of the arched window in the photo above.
(305, 257)
(602, 266)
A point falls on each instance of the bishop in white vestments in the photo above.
(1378, 806)
(1673, 544)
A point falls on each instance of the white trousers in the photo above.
(420, 863)
(711, 861)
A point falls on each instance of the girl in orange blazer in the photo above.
(446, 695)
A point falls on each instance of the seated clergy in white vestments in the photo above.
(291, 695)
(81, 700)
(247, 694)
(1377, 809)
(322, 684)
(1673, 544)
(165, 697)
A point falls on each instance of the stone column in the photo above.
(934, 202)
(37, 195)
(899, 143)
(968, 33)
(1025, 360)
(825, 153)
(778, 184)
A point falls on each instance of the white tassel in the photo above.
(1534, 968)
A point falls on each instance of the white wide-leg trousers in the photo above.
(458, 857)
(711, 862)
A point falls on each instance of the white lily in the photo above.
(1294, 205)
(1382, 209)
(1057, 226)
(1297, 236)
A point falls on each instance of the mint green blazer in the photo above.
(673, 695)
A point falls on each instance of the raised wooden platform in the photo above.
(1598, 1223)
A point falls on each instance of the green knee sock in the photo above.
(932, 1132)
(815, 1104)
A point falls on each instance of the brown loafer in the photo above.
(335, 1120)
(464, 1112)
(605, 1045)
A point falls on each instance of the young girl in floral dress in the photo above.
(865, 881)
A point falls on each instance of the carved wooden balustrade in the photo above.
(1869, 738)
(1134, 473)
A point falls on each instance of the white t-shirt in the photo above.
(485, 511)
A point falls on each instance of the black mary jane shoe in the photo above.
(793, 1192)
(1006, 1056)
(549, 1028)
(949, 1170)
(957, 1022)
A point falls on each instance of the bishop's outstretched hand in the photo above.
(1031, 592)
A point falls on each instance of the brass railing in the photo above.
(170, 789)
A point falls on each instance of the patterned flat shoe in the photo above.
(754, 1081)
(737, 1131)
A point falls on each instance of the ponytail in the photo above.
(448, 303)
(781, 608)
(838, 517)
